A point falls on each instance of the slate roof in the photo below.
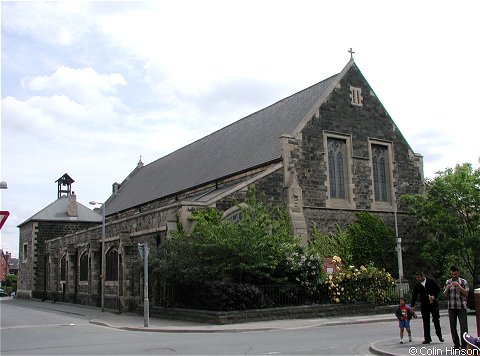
(57, 211)
(245, 144)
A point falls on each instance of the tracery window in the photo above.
(381, 173)
(63, 268)
(337, 167)
(111, 261)
(84, 267)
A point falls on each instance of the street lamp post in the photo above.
(398, 241)
(102, 276)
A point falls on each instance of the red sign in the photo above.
(3, 217)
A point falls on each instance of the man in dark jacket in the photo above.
(426, 290)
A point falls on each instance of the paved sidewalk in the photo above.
(392, 346)
(131, 322)
(136, 323)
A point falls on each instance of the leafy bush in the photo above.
(332, 244)
(373, 242)
(367, 241)
(218, 295)
(227, 262)
(304, 267)
(367, 284)
(11, 283)
(249, 251)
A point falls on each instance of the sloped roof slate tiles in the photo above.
(57, 211)
(247, 143)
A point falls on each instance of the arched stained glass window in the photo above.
(63, 268)
(111, 261)
(84, 267)
(337, 167)
(381, 173)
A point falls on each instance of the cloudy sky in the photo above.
(88, 87)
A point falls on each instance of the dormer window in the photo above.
(356, 96)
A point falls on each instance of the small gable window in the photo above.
(356, 96)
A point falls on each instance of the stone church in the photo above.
(325, 152)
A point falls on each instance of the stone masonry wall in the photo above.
(25, 274)
(369, 121)
(33, 265)
(271, 186)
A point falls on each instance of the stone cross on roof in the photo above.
(351, 53)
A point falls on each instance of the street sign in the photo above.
(3, 217)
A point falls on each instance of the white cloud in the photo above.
(55, 23)
(19, 115)
(84, 84)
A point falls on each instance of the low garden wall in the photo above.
(243, 316)
(251, 315)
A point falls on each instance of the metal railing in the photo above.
(391, 295)
(231, 297)
(241, 297)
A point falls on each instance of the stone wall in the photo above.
(294, 312)
(370, 121)
(361, 123)
(25, 261)
(32, 266)
(251, 315)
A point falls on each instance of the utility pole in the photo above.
(144, 250)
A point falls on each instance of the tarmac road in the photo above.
(41, 328)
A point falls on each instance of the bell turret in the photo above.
(64, 185)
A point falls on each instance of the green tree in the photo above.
(367, 241)
(11, 283)
(373, 242)
(332, 244)
(450, 213)
(252, 250)
(223, 265)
